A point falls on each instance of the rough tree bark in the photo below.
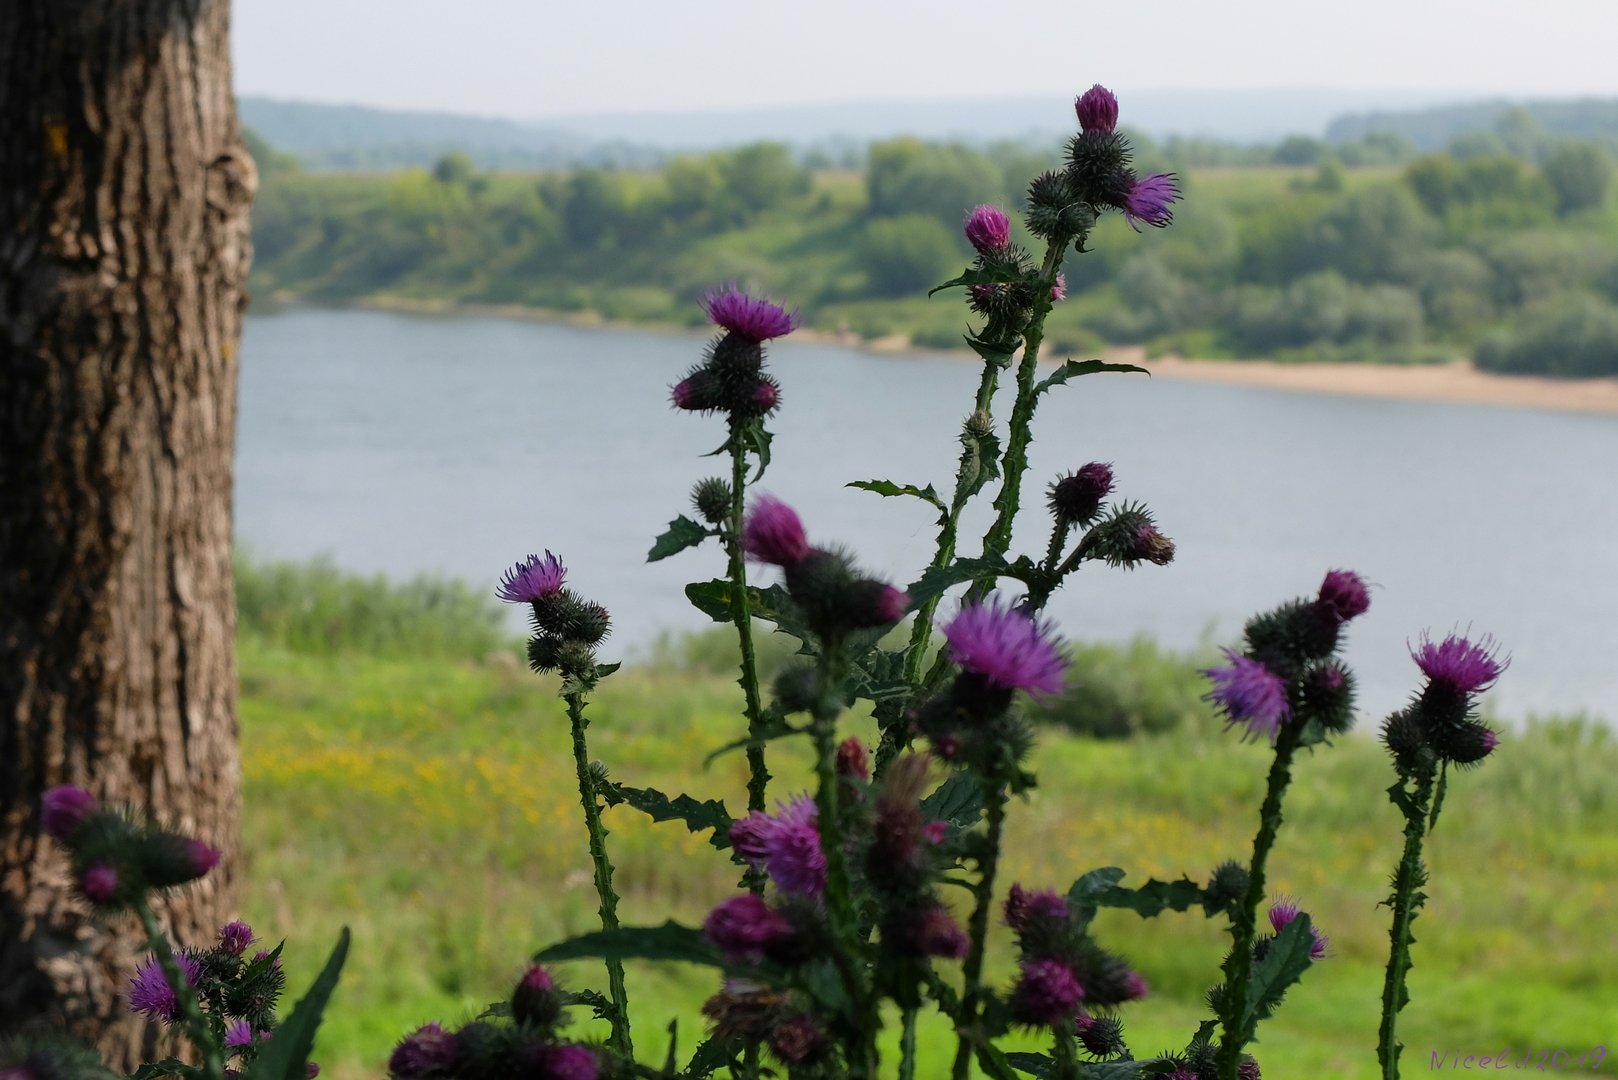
(124, 247)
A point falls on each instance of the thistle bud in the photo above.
(575, 659)
(1046, 995)
(429, 1051)
(1466, 743)
(1151, 546)
(1049, 196)
(935, 933)
(735, 358)
(63, 809)
(1098, 168)
(1097, 110)
(1226, 889)
(711, 498)
(1075, 499)
(987, 229)
(871, 603)
(699, 391)
(1326, 694)
(797, 689)
(171, 859)
(763, 399)
(1406, 739)
(536, 1000)
(570, 1062)
(1345, 594)
(99, 883)
(544, 653)
(235, 937)
(798, 1040)
(1248, 1069)
(853, 761)
(772, 533)
(1101, 1036)
(979, 424)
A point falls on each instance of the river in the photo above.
(455, 445)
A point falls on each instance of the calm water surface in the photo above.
(456, 445)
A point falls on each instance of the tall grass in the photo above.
(316, 607)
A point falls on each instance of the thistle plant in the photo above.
(841, 915)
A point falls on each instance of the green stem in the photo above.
(1020, 430)
(1239, 965)
(758, 773)
(1065, 1055)
(590, 801)
(840, 915)
(907, 1045)
(1053, 553)
(978, 929)
(196, 1025)
(1406, 899)
(922, 630)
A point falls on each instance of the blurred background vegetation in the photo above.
(1405, 239)
(407, 776)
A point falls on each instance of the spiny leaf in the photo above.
(958, 800)
(712, 1055)
(769, 732)
(991, 275)
(937, 580)
(1032, 1064)
(980, 465)
(1072, 369)
(998, 353)
(757, 439)
(1152, 898)
(670, 941)
(602, 1008)
(284, 1057)
(1284, 963)
(682, 533)
(698, 816)
(889, 488)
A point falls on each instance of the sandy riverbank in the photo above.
(1455, 382)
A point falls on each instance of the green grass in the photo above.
(430, 805)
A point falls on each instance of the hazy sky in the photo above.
(534, 58)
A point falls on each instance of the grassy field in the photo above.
(426, 799)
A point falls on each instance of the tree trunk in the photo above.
(124, 247)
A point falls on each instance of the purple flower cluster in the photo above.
(1097, 110)
(786, 845)
(773, 533)
(1006, 648)
(988, 229)
(751, 317)
(150, 992)
(1249, 693)
(429, 1051)
(1464, 666)
(1061, 965)
(534, 578)
(63, 809)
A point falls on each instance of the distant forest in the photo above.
(1502, 248)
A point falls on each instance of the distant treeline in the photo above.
(1509, 256)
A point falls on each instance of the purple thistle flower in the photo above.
(571, 1062)
(99, 883)
(1006, 648)
(743, 927)
(235, 937)
(428, 1051)
(773, 533)
(937, 934)
(1148, 201)
(1046, 994)
(238, 1036)
(750, 317)
(1097, 110)
(798, 1040)
(199, 858)
(532, 579)
(1135, 986)
(987, 228)
(1345, 593)
(1024, 907)
(1282, 914)
(1249, 693)
(690, 393)
(150, 992)
(766, 396)
(1151, 545)
(786, 844)
(1464, 666)
(62, 809)
(1059, 288)
(1077, 497)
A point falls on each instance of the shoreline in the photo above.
(1457, 382)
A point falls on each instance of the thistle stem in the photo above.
(590, 801)
(758, 773)
(1239, 965)
(197, 1028)
(907, 1045)
(1064, 1054)
(1020, 430)
(1407, 880)
(978, 929)
(846, 943)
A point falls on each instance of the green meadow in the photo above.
(406, 776)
